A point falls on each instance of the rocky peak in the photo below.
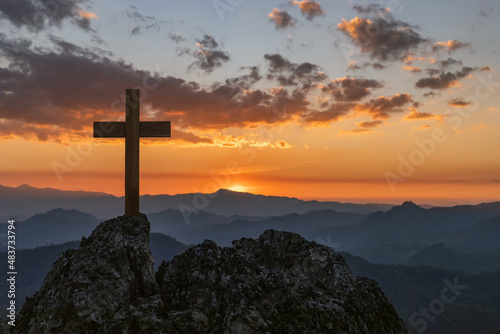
(278, 283)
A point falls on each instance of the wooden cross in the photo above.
(132, 129)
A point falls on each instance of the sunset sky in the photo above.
(340, 100)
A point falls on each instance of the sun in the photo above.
(237, 188)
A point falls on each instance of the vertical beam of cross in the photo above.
(132, 152)
(132, 129)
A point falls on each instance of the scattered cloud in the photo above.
(177, 38)
(380, 35)
(281, 19)
(416, 115)
(334, 112)
(287, 73)
(208, 55)
(432, 94)
(310, 9)
(382, 107)
(87, 15)
(354, 131)
(450, 46)
(143, 22)
(369, 124)
(353, 66)
(350, 89)
(444, 79)
(245, 81)
(459, 102)
(413, 69)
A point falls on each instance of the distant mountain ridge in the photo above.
(25, 201)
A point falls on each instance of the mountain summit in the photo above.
(278, 283)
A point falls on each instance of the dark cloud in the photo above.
(208, 55)
(176, 37)
(310, 9)
(287, 73)
(381, 36)
(444, 79)
(450, 46)
(382, 107)
(245, 81)
(443, 64)
(353, 66)
(334, 112)
(35, 99)
(37, 15)
(281, 19)
(459, 102)
(432, 94)
(350, 89)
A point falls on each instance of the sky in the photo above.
(333, 100)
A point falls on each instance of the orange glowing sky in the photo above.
(312, 105)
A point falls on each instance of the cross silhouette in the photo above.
(132, 129)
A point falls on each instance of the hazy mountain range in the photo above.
(25, 201)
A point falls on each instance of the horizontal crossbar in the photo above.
(146, 129)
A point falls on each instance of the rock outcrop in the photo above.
(278, 283)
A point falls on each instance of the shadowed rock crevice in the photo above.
(278, 283)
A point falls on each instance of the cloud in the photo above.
(247, 80)
(450, 46)
(413, 69)
(354, 131)
(415, 115)
(432, 94)
(353, 66)
(37, 15)
(310, 9)
(380, 35)
(190, 137)
(41, 103)
(281, 19)
(444, 79)
(143, 22)
(350, 89)
(369, 124)
(334, 112)
(177, 38)
(459, 102)
(87, 15)
(287, 73)
(208, 55)
(382, 107)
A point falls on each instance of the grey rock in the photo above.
(278, 283)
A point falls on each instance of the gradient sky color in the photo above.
(344, 100)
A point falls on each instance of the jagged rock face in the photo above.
(279, 283)
(106, 286)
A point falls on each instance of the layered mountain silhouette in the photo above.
(25, 201)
